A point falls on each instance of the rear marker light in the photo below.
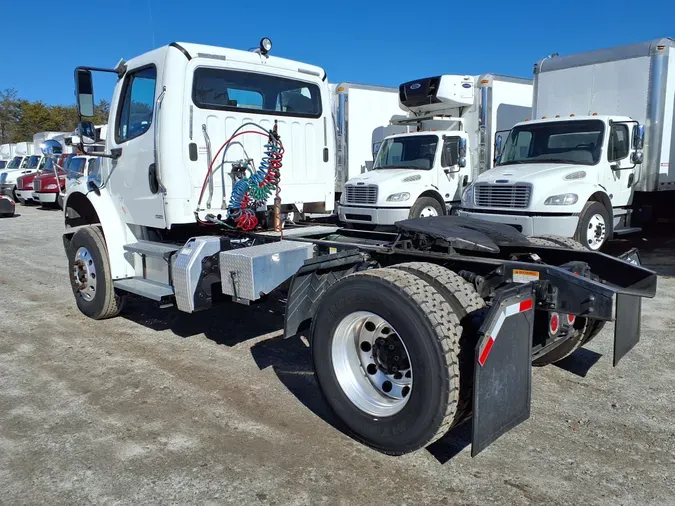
(511, 310)
(571, 319)
(554, 323)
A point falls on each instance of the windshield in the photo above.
(574, 142)
(47, 165)
(33, 162)
(407, 152)
(16, 161)
(3, 163)
(24, 165)
(77, 164)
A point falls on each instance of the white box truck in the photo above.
(363, 115)
(422, 172)
(597, 161)
(17, 166)
(6, 154)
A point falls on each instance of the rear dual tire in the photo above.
(431, 332)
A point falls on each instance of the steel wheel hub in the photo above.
(428, 211)
(84, 274)
(597, 231)
(371, 364)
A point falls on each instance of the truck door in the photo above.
(452, 179)
(619, 182)
(135, 185)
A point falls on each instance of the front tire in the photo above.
(350, 361)
(426, 207)
(90, 277)
(594, 226)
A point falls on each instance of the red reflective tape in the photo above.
(486, 351)
(525, 305)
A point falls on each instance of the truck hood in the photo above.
(382, 175)
(530, 172)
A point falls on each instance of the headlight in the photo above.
(51, 187)
(398, 197)
(565, 199)
(467, 195)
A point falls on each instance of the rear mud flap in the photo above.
(627, 325)
(503, 367)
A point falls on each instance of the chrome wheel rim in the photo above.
(84, 274)
(372, 364)
(428, 212)
(596, 232)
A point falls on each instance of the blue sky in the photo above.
(369, 42)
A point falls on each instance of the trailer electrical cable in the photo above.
(253, 190)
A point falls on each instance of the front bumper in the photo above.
(372, 215)
(564, 226)
(25, 195)
(45, 198)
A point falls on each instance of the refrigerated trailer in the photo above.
(412, 332)
(442, 145)
(599, 158)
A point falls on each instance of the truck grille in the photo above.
(366, 194)
(516, 196)
(37, 185)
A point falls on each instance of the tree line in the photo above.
(20, 119)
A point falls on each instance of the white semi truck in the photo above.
(423, 172)
(410, 332)
(597, 160)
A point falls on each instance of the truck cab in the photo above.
(570, 176)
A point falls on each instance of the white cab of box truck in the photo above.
(363, 115)
(597, 163)
(443, 144)
(15, 168)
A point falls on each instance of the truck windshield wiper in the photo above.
(513, 162)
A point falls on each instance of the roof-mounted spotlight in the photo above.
(265, 45)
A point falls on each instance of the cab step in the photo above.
(145, 288)
(152, 249)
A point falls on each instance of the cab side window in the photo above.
(135, 110)
(619, 143)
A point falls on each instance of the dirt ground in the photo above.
(163, 407)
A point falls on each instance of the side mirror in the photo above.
(637, 157)
(376, 149)
(638, 137)
(87, 132)
(498, 149)
(84, 89)
(51, 149)
(461, 161)
(462, 150)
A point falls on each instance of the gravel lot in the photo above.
(162, 407)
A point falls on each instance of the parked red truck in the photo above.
(48, 190)
(25, 183)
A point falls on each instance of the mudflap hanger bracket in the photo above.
(502, 382)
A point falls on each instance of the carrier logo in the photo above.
(466, 85)
(415, 86)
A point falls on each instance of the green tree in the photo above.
(9, 114)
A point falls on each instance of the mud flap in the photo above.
(627, 325)
(503, 367)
